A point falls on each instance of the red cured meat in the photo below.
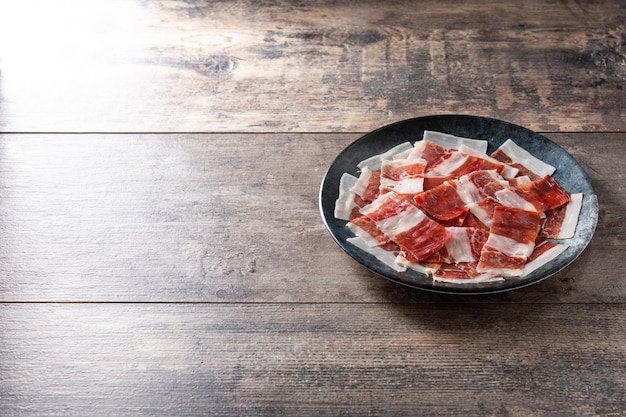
(474, 163)
(545, 194)
(369, 226)
(511, 241)
(421, 241)
(523, 171)
(553, 221)
(373, 187)
(486, 183)
(397, 173)
(442, 202)
(519, 225)
(393, 205)
(435, 154)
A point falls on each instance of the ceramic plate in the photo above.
(569, 174)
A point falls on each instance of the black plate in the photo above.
(569, 174)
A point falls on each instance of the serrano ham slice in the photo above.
(561, 222)
(405, 176)
(374, 162)
(448, 141)
(544, 252)
(510, 153)
(442, 202)
(511, 241)
(417, 235)
(540, 195)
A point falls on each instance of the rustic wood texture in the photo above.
(205, 218)
(161, 248)
(281, 359)
(319, 66)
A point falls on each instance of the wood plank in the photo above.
(197, 360)
(318, 66)
(203, 218)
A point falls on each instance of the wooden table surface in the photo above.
(162, 251)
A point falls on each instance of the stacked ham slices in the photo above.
(443, 207)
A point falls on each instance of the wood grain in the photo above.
(227, 218)
(281, 359)
(318, 66)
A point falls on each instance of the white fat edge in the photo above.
(402, 261)
(376, 204)
(406, 154)
(368, 239)
(510, 198)
(448, 141)
(448, 165)
(572, 213)
(517, 181)
(401, 222)
(481, 278)
(546, 257)
(345, 201)
(506, 272)
(409, 186)
(418, 150)
(459, 247)
(360, 186)
(510, 247)
(384, 256)
(508, 172)
(467, 191)
(480, 213)
(374, 162)
(521, 156)
(405, 187)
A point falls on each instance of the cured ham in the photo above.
(405, 176)
(443, 207)
(511, 241)
(544, 252)
(560, 223)
(510, 153)
(540, 195)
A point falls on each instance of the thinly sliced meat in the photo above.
(483, 210)
(386, 205)
(442, 202)
(368, 231)
(458, 164)
(511, 241)
(510, 151)
(448, 141)
(464, 273)
(507, 171)
(405, 176)
(465, 244)
(540, 195)
(432, 182)
(385, 256)
(561, 222)
(427, 268)
(367, 186)
(417, 235)
(374, 163)
(545, 251)
(477, 185)
(345, 205)
(432, 153)
(519, 180)
(487, 182)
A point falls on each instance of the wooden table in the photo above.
(161, 246)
